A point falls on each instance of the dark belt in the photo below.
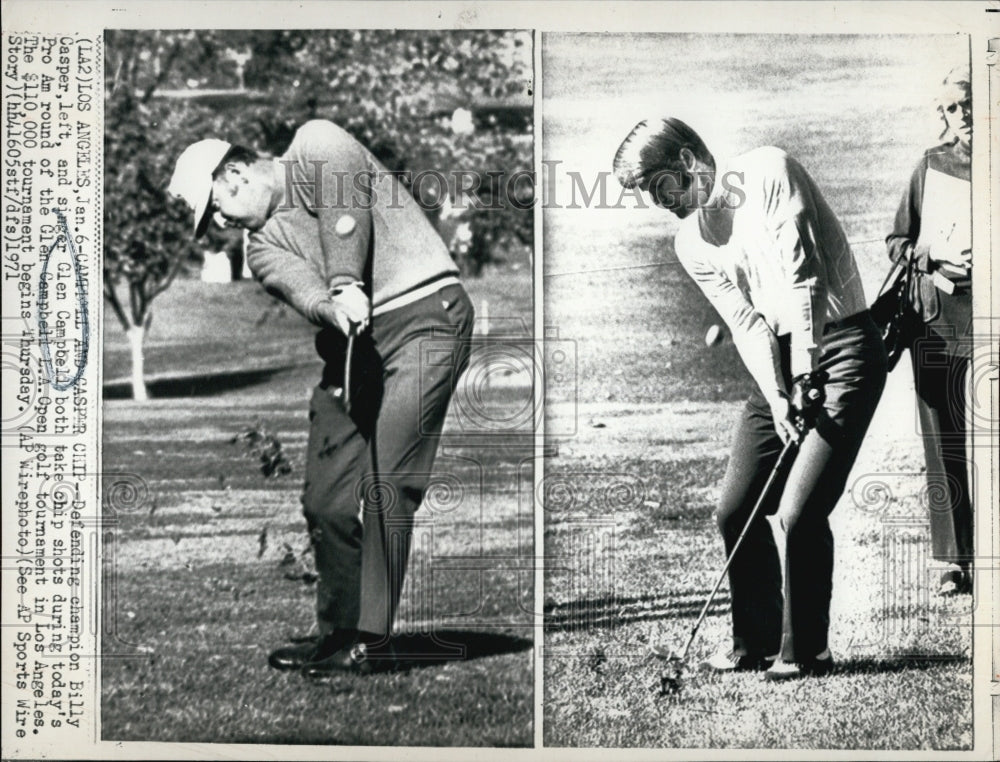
(853, 321)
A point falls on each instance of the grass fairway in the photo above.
(631, 545)
(631, 517)
(208, 565)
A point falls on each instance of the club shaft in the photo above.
(786, 453)
(347, 369)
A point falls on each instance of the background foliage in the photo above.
(394, 91)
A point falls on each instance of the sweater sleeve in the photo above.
(754, 340)
(790, 220)
(344, 200)
(906, 229)
(287, 276)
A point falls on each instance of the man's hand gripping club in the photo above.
(795, 414)
(347, 308)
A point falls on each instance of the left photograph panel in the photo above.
(318, 387)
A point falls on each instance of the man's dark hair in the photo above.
(240, 154)
(653, 147)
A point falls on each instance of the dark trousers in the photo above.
(793, 618)
(366, 472)
(940, 369)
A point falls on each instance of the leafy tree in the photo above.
(396, 92)
(144, 229)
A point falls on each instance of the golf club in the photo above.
(784, 459)
(351, 334)
(803, 422)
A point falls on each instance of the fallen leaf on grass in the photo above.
(300, 567)
(597, 660)
(306, 576)
(616, 712)
(266, 447)
(262, 542)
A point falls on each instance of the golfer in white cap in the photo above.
(760, 241)
(337, 237)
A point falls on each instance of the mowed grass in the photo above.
(208, 566)
(632, 552)
(632, 549)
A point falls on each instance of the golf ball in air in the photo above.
(714, 336)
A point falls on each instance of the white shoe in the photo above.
(818, 666)
(729, 659)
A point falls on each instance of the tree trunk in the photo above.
(136, 334)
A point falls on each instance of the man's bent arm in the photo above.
(754, 340)
(789, 217)
(343, 207)
(288, 277)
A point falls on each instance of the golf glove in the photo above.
(351, 306)
(808, 395)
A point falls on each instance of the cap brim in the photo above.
(201, 222)
(192, 179)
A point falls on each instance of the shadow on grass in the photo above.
(871, 666)
(612, 611)
(443, 646)
(195, 385)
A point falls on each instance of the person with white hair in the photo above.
(933, 230)
(760, 241)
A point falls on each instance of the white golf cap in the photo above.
(192, 180)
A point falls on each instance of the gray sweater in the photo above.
(343, 219)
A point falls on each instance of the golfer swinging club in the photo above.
(760, 241)
(337, 238)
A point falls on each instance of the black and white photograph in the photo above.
(414, 380)
(771, 535)
(318, 402)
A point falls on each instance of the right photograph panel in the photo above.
(758, 267)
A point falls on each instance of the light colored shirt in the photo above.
(786, 267)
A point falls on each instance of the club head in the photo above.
(666, 652)
(672, 676)
(670, 685)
